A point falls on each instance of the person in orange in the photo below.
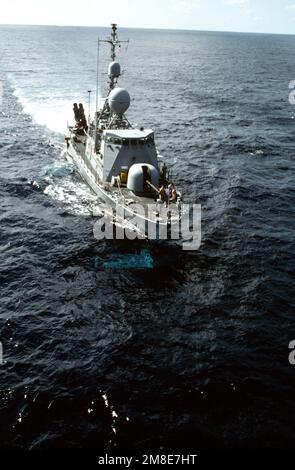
(172, 193)
(163, 195)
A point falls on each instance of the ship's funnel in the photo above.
(119, 101)
(114, 70)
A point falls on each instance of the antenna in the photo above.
(97, 78)
(114, 72)
(89, 101)
(114, 42)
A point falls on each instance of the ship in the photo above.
(119, 161)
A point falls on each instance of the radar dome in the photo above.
(119, 101)
(114, 70)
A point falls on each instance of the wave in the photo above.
(55, 114)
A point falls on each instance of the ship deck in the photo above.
(146, 207)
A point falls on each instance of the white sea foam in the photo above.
(55, 113)
(76, 197)
(73, 194)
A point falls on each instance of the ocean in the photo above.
(191, 352)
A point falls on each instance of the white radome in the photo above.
(119, 101)
(114, 69)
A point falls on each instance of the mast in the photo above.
(114, 42)
(97, 77)
(89, 102)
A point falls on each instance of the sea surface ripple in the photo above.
(193, 352)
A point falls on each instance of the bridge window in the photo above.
(113, 140)
(151, 140)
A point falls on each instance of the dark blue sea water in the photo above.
(192, 352)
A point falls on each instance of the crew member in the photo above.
(163, 175)
(163, 196)
(172, 193)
